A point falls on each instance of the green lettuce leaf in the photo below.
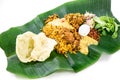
(106, 25)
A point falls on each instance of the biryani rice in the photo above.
(68, 39)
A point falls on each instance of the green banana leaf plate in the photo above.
(57, 62)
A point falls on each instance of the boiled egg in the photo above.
(84, 30)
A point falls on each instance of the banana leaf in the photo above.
(56, 61)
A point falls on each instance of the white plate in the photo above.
(18, 12)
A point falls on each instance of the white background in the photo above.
(18, 12)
